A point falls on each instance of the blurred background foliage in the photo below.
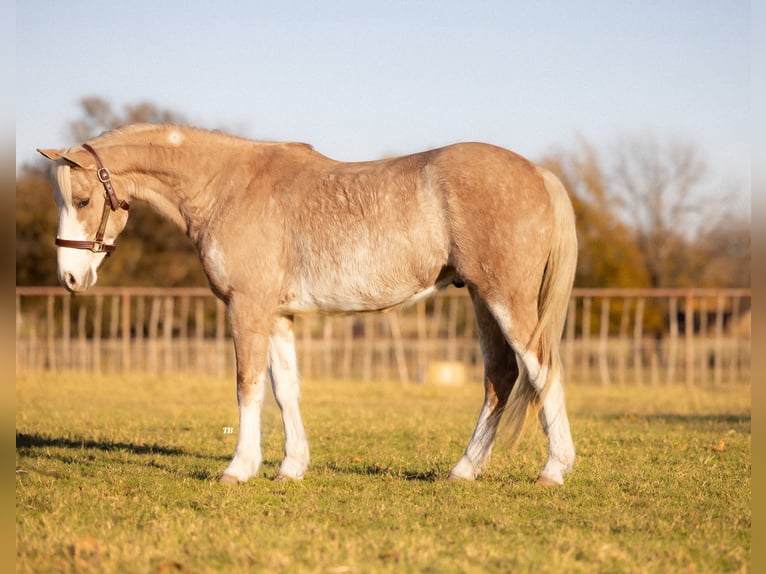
(646, 217)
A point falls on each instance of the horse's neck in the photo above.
(175, 183)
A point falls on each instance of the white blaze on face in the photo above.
(77, 268)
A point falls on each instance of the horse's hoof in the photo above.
(454, 477)
(229, 479)
(543, 480)
(463, 470)
(281, 477)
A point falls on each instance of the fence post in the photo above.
(624, 342)
(82, 340)
(719, 309)
(369, 341)
(348, 347)
(673, 316)
(183, 332)
(603, 361)
(422, 334)
(66, 328)
(125, 335)
(200, 357)
(733, 322)
(98, 318)
(688, 338)
(139, 346)
(702, 373)
(50, 335)
(154, 321)
(327, 347)
(396, 335)
(167, 333)
(586, 309)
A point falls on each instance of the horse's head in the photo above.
(90, 215)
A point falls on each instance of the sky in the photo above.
(361, 80)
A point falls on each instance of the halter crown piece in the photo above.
(111, 203)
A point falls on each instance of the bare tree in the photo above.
(649, 213)
(607, 254)
(659, 187)
(722, 253)
(99, 116)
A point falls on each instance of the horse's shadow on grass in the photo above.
(29, 444)
(688, 419)
(431, 475)
(32, 444)
(26, 441)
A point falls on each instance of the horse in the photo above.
(283, 230)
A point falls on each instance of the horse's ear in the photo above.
(51, 154)
(73, 157)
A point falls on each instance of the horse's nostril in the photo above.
(71, 281)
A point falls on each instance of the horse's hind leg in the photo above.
(500, 373)
(285, 383)
(553, 417)
(545, 381)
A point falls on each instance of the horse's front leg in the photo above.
(251, 348)
(283, 368)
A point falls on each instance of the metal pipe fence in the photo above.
(628, 336)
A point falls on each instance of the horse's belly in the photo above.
(368, 269)
(345, 302)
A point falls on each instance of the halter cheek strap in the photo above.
(106, 180)
(111, 203)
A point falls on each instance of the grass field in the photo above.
(118, 474)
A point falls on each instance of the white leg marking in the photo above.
(553, 416)
(247, 456)
(283, 367)
(464, 470)
(479, 449)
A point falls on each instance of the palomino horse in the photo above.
(282, 230)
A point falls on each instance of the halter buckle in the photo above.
(103, 175)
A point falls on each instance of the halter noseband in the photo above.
(111, 203)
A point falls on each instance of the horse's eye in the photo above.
(80, 203)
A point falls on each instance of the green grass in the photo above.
(117, 474)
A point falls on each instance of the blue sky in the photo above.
(360, 80)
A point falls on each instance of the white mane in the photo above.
(64, 179)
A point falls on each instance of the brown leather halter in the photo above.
(111, 203)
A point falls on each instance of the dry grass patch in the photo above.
(116, 474)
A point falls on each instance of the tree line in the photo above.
(646, 217)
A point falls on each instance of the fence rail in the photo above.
(692, 336)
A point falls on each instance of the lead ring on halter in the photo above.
(111, 202)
